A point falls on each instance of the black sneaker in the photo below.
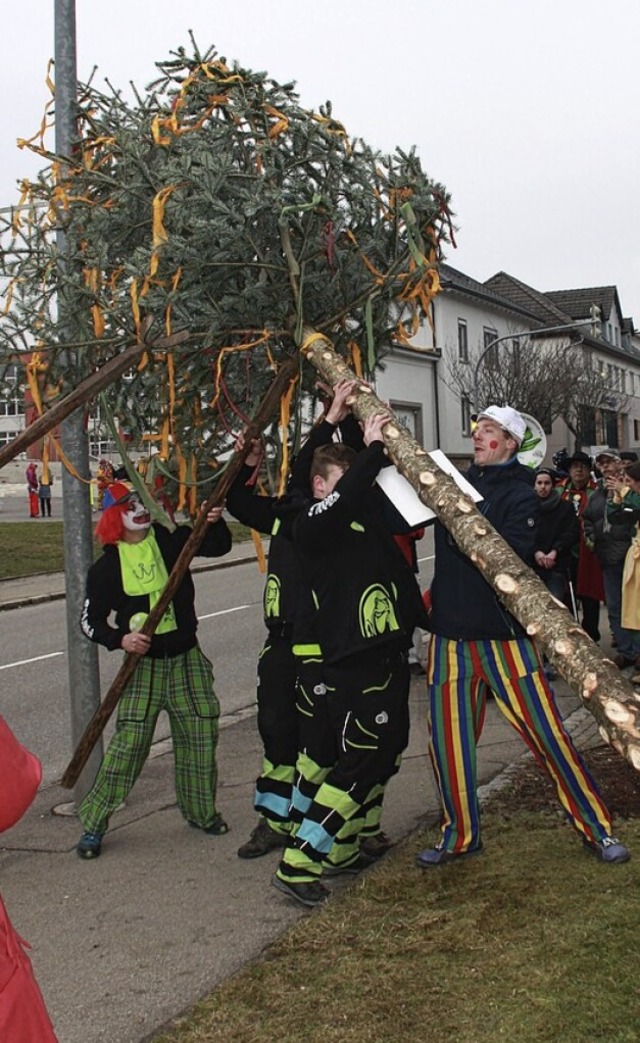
(263, 839)
(309, 893)
(217, 828)
(376, 846)
(360, 862)
(89, 845)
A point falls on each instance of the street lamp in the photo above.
(514, 336)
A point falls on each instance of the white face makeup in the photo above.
(136, 517)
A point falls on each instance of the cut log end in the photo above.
(617, 712)
(589, 685)
(427, 478)
(604, 735)
(391, 431)
(506, 583)
(464, 506)
(420, 451)
(633, 756)
(563, 647)
(533, 629)
(480, 530)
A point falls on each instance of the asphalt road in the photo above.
(33, 659)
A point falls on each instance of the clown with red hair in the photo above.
(173, 674)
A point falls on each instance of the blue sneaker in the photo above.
(89, 845)
(438, 856)
(608, 850)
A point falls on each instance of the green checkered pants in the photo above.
(183, 686)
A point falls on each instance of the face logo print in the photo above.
(272, 597)
(376, 612)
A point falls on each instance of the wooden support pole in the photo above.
(96, 725)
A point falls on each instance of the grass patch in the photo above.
(532, 942)
(29, 547)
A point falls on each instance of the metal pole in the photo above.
(84, 677)
(514, 336)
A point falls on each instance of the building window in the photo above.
(7, 436)
(11, 396)
(488, 336)
(102, 447)
(410, 414)
(636, 430)
(465, 407)
(463, 341)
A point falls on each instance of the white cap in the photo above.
(507, 418)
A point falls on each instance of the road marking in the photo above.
(52, 655)
(36, 659)
(224, 611)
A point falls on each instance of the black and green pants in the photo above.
(367, 720)
(278, 727)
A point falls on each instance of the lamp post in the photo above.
(513, 336)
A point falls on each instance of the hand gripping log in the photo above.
(95, 727)
(89, 388)
(595, 678)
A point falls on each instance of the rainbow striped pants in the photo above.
(458, 676)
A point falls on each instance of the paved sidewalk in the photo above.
(124, 944)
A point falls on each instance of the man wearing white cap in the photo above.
(477, 644)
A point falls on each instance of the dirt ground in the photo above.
(530, 790)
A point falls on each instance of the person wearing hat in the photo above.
(477, 644)
(585, 573)
(173, 673)
(610, 537)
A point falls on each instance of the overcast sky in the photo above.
(527, 111)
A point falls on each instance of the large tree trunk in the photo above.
(609, 696)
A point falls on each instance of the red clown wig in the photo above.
(110, 528)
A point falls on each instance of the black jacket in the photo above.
(105, 594)
(611, 535)
(559, 530)
(464, 605)
(367, 598)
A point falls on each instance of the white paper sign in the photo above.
(406, 500)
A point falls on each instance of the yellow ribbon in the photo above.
(260, 555)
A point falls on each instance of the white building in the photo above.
(468, 316)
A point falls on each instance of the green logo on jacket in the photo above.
(376, 612)
(272, 597)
